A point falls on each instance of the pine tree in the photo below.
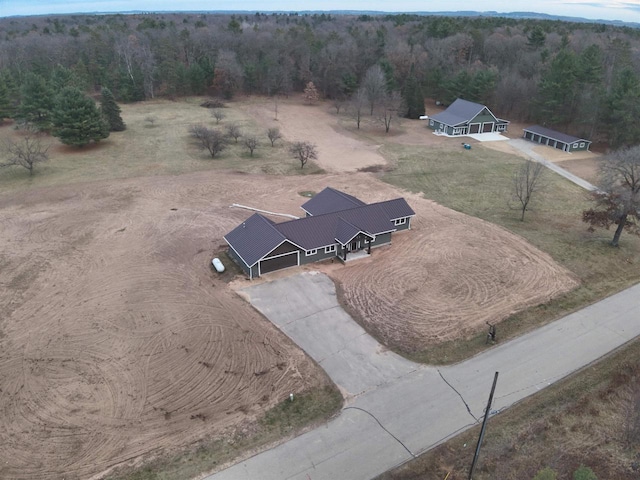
(6, 108)
(413, 97)
(37, 101)
(311, 93)
(111, 111)
(76, 119)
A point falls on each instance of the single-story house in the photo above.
(559, 140)
(464, 118)
(336, 224)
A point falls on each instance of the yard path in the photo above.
(406, 409)
(526, 147)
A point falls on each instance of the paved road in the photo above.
(404, 409)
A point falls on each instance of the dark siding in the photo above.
(404, 226)
(286, 247)
(237, 259)
(317, 257)
(254, 271)
(381, 239)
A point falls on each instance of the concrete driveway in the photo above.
(399, 409)
(306, 308)
(526, 147)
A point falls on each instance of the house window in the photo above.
(581, 144)
(308, 253)
(431, 122)
(400, 221)
(575, 145)
(330, 249)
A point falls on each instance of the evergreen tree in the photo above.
(63, 77)
(311, 93)
(111, 111)
(536, 37)
(413, 97)
(37, 101)
(558, 90)
(6, 107)
(624, 109)
(76, 119)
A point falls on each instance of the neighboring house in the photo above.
(336, 225)
(558, 140)
(464, 118)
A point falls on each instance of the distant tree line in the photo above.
(582, 78)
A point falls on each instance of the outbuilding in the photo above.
(466, 118)
(559, 140)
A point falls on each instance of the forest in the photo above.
(581, 78)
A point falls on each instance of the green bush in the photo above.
(546, 474)
(584, 473)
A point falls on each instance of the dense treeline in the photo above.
(581, 78)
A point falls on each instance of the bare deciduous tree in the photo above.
(274, 134)
(214, 141)
(338, 103)
(303, 151)
(527, 180)
(374, 86)
(356, 105)
(218, 115)
(26, 152)
(234, 132)
(618, 200)
(391, 107)
(251, 143)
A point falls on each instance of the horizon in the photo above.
(607, 10)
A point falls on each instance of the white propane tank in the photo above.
(217, 264)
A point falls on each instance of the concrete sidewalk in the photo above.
(406, 409)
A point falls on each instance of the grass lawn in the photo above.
(156, 142)
(479, 182)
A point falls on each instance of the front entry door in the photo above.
(354, 245)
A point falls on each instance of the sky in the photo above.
(626, 10)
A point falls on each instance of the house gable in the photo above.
(331, 200)
(461, 114)
(262, 245)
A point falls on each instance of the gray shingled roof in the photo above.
(330, 200)
(461, 111)
(397, 208)
(254, 238)
(552, 134)
(257, 236)
(321, 230)
(345, 231)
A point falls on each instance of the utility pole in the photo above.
(487, 412)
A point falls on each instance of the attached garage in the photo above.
(466, 118)
(271, 264)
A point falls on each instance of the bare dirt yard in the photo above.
(116, 338)
(341, 148)
(118, 341)
(446, 277)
